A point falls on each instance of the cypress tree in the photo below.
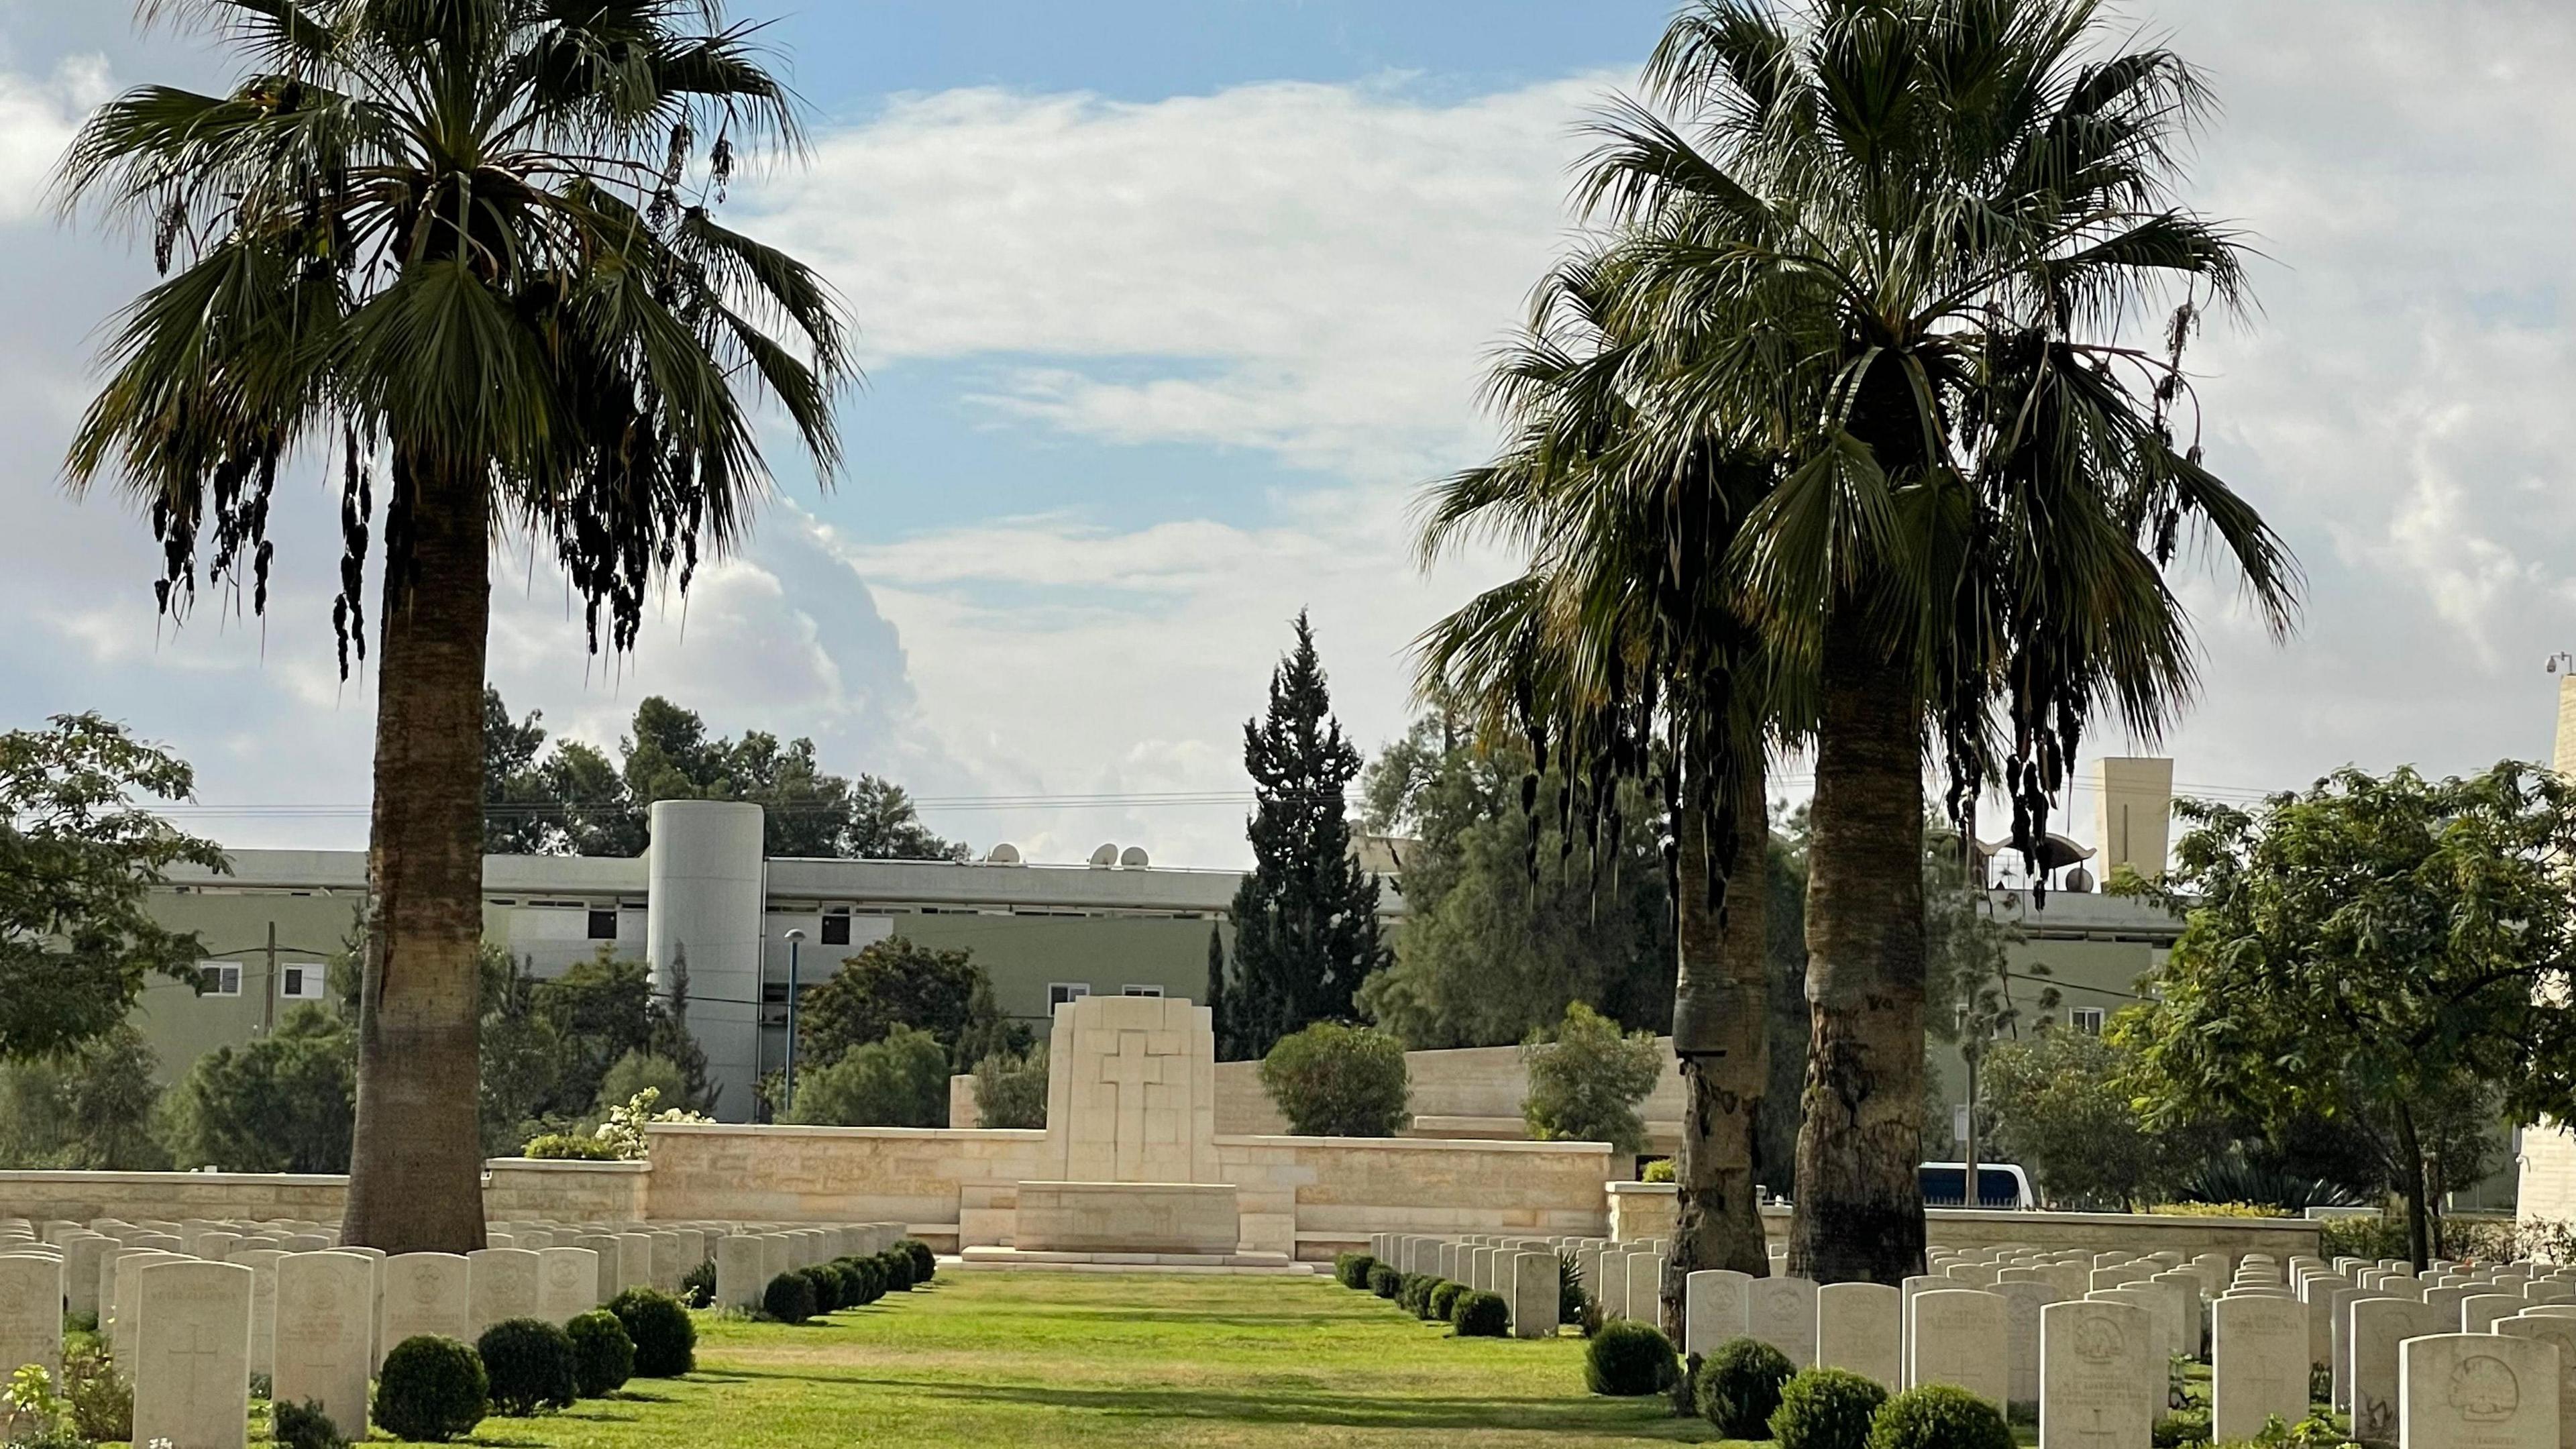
(1305, 919)
(1216, 994)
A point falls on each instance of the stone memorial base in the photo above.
(1249, 1264)
(1187, 1219)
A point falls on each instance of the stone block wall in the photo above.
(922, 1176)
(1471, 1093)
(1645, 1210)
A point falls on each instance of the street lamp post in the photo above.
(787, 1095)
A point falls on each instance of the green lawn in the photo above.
(1027, 1360)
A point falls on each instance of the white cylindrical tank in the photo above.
(708, 880)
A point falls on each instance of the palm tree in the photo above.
(465, 244)
(1910, 234)
(1619, 647)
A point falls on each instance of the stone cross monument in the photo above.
(1131, 1138)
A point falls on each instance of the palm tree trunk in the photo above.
(415, 1169)
(1723, 986)
(1860, 1200)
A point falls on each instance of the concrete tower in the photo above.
(2562, 755)
(708, 882)
(2133, 813)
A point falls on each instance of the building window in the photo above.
(603, 925)
(300, 982)
(1141, 991)
(2086, 1019)
(1060, 992)
(836, 930)
(218, 978)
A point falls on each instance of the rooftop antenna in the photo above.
(2561, 662)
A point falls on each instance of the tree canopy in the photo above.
(2374, 944)
(573, 800)
(894, 984)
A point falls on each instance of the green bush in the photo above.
(1586, 1079)
(527, 1366)
(899, 1081)
(827, 1287)
(1414, 1295)
(698, 1286)
(569, 1147)
(1659, 1170)
(1826, 1408)
(1444, 1298)
(1939, 1416)
(1331, 1080)
(1384, 1280)
(789, 1298)
(869, 1276)
(1351, 1270)
(431, 1388)
(305, 1426)
(925, 1263)
(666, 1343)
(1481, 1315)
(897, 1268)
(1739, 1386)
(1011, 1089)
(603, 1357)
(1571, 1300)
(1627, 1359)
(2182, 1427)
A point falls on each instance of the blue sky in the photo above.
(1170, 309)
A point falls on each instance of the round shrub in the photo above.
(1421, 1304)
(1481, 1315)
(603, 1357)
(1384, 1281)
(867, 1278)
(666, 1343)
(1939, 1416)
(925, 1263)
(1826, 1408)
(1331, 1080)
(1411, 1293)
(789, 1298)
(848, 1291)
(698, 1286)
(897, 1268)
(527, 1366)
(1739, 1386)
(305, 1426)
(431, 1388)
(1627, 1359)
(827, 1287)
(1351, 1270)
(1444, 1299)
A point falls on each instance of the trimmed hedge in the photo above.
(1481, 1315)
(1739, 1386)
(666, 1342)
(789, 1298)
(305, 1426)
(925, 1263)
(431, 1388)
(1826, 1408)
(897, 1268)
(827, 1286)
(1384, 1280)
(1351, 1270)
(1444, 1300)
(1627, 1359)
(1939, 1416)
(527, 1366)
(603, 1357)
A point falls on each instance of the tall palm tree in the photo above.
(1620, 648)
(1912, 234)
(466, 245)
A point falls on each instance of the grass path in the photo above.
(1032, 1360)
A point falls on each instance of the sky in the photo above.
(1170, 310)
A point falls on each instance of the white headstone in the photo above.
(605, 1250)
(500, 1283)
(262, 1263)
(2259, 1364)
(1645, 1287)
(322, 1326)
(2478, 1391)
(2022, 1305)
(1856, 1330)
(31, 1313)
(1958, 1338)
(1715, 1308)
(192, 1354)
(424, 1293)
(2379, 1325)
(2561, 1332)
(2094, 1356)
(635, 1259)
(567, 1283)
(1782, 1313)
(1534, 1295)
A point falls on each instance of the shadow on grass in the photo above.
(1645, 1418)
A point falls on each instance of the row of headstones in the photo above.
(188, 1330)
(1523, 1272)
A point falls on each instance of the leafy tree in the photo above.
(470, 249)
(86, 1108)
(2061, 1106)
(1011, 1089)
(1305, 919)
(1331, 1080)
(603, 1010)
(78, 860)
(893, 983)
(1487, 954)
(898, 1080)
(2373, 945)
(636, 1071)
(1978, 478)
(284, 1103)
(1586, 1079)
(521, 1057)
(1785, 1019)
(1966, 971)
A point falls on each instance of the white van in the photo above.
(2000, 1185)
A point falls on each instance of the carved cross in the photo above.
(201, 1357)
(1131, 1070)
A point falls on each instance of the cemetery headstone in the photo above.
(2478, 1391)
(1715, 1308)
(500, 1283)
(1856, 1330)
(2259, 1364)
(192, 1354)
(568, 1283)
(2022, 1305)
(1957, 1337)
(1534, 1295)
(1782, 1313)
(31, 1313)
(2561, 1332)
(322, 1328)
(2094, 1357)
(424, 1293)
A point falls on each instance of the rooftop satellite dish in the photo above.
(1003, 854)
(1105, 855)
(2078, 881)
(1133, 855)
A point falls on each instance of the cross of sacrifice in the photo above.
(1131, 1070)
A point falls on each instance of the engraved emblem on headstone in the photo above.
(2484, 1391)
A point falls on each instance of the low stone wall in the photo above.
(1459, 1093)
(513, 1187)
(1645, 1210)
(571, 1192)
